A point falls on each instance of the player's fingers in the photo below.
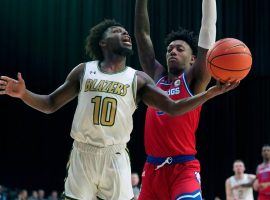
(19, 76)
(6, 78)
(2, 87)
(218, 83)
(227, 85)
(2, 92)
(3, 82)
(236, 85)
(233, 85)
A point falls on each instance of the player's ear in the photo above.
(102, 43)
(193, 58)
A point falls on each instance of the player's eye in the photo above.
(116, 30)
(169, 50)
(180, 49)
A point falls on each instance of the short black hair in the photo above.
(92, 47)
(183, 34)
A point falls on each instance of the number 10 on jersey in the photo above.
(104, 110)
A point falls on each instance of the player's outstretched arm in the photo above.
(144, 43)
(155, 97)
(44, 103)
(251, 180)
(198, 76)
(256, 185)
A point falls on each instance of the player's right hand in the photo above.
(12, 87)
(221, 88)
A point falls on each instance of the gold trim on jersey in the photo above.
(110, 73)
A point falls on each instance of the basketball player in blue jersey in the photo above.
(108, 92)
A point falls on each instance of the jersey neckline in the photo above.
(108, 73)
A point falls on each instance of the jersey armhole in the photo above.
(186, 85)
(134, 88)
(82, 77)
(159, 80)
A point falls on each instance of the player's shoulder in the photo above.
(79, 68)
(144, 76)
(77, 72)
(251, 176)
(260, 165)
(228, 180)
(143, 80)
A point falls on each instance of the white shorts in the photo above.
(98, 172)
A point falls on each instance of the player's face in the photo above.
(117, 40)
(179, 56)
(266, 152)
(238, 168)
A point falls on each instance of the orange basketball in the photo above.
(229, 59)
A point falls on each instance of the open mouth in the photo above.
(127, 41)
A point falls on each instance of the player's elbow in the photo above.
(51, 106)
(49, 111)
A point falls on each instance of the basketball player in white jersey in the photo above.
(239, 186)
(108, 92)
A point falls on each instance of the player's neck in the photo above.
(173, 76)
(266, 161)
(239, 176)
(112, 65)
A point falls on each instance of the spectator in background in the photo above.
(217, 198)
(54, 195)
(3, 195)
(262, 183)
(41, 194)
(135, 180)
(34, 195)
(239, 186)
(22, 195)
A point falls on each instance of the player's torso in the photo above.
(106, 103)
(171, 135)
(263, 175)
(241, 193)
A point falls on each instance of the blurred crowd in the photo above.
(16, 194)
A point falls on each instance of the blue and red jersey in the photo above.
(167, 135)
(263, 175)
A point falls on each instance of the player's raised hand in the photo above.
(221, 88)
(12, 87)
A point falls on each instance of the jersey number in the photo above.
(104, 110)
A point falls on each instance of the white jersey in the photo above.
(106, 103)
(241, 193)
